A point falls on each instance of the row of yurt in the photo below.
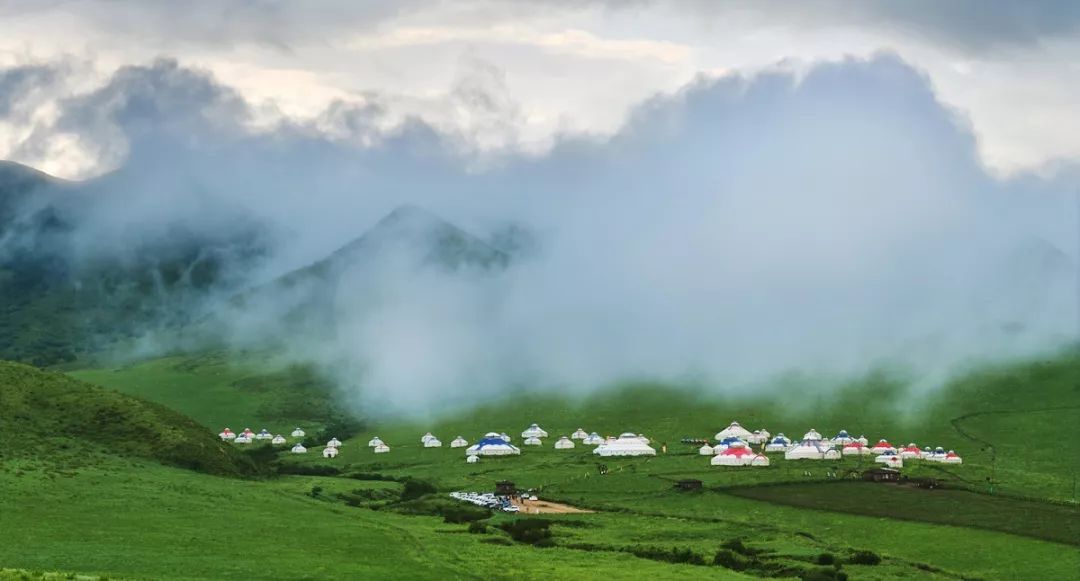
(627, 444)
(739, 454)
(247, 436)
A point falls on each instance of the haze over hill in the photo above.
(739, 230)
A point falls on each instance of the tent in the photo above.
(855, 448)
(278, 440)
(733, 430)
(374, 442)
(333, 443)
(533, 441)
(381, 449)
(299, 449)
(759, 437)
(459, 442)
(735, 455)
(727, 442)
(936, 456)
(952, 458)
(832, 454)
(264, 434)
(626, 445)
(472, 459)
(580, 434)
(760, 460)
(298, 433)
(593, 439)
(227, 434)
(862, 440)
(778, 444)
(564, 443)
(242, 439)
(534, 431)
(329, 452)
(883, 447)
(842, 438)
(808, 449)
(890, 459)
(492, 447)
(910, 451)
(432, 442)
(247, 433)
(505, 437)
(426, 437)
(706, 450)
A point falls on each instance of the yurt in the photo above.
(593, 439)
(727, 442)
(533, 441)
(333, 443)
(264, 434)
(735, 455)
(862, 440)
(890, 459)
(842, 438)
(733, 430)
(493, 435)
(227, 434)
(832, 454)
(778, 444)
(329, 452)
(855, 448)
(806, 450)
(758, 437)
(426, 437)
(927, 453)
(580, 434)
(374, 442)
(534, 431)
(937, 455)
(911, 451)
(564, 443)
(626, 445)
(952, 458)
(459, 442)
(759, 460)
(432, 442)
(472, 459)
(278, 440)
(298, 433)
(242, 439)
(492, 447)
(247, 433)
(299, 449)
(883, 447)
(505, 437)
(381, 449)
(706, 450)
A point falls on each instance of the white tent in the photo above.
(855, 448)
(227, 434)
(472, 459)
(264, 434)
(298, 433)
(727, 442)
(493, 435)
(883, 447)
(911, 452)
(329, 452)
(832, 454)
(534, 431)
(862, 440)
(459, 442)
(952, 458)
(374, 442)
(734, 455)
(426, 437)
(505, 437)
(891, 460)
(778, 444)
(806, 450)
(759, 437)
(278, 440)
(936, 456)
(299, 449)
(492, 447)
(241, 439)
(593, 439)
(706, 450)
(381, 449)
(247, 433)
(733, 430)
(759, 460)
(432, 443)
(580, 434)
(564, 443)
(626, 445)
(532, 441)
(842, 437)
(333, 443)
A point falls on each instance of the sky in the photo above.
(721, 193)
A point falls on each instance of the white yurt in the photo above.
(936, 456)
(759, 460)
(505, 437)
(842, 438)
(778, 444)
(855, 448)
(759, 437)
(299, 449)
(459, 442)
(374, 442)
(626, 445)
(264, 434)
(952, 458)
(532, 441)
(242, 439)
(493, 435)
(534, 431)
(806, 450)
(472, 459)
(247, 433)
(910, 452)
(706, 450)
(891, 460)
(227, 434)
(883, 447)
(329, 452)
(862, 440)
(734, 455)
(381, 449)
(298, 433)
(593, 439)
(426, 437)
(733, 430)
(927, 453)
(492, 447)
(579, 434)
(278, 440)
(564, 443)
(726, 443)
(333, 443)
(832, 454)
(432, 443)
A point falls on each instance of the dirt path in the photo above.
(545, 507)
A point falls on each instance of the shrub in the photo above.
(528, 530)
(497, 541)
(462, 514)
(478, 527)
(416, 488)
(316, 491)
(675, 555)
(729, 559)
(307, 469)
(736, 545)
(864, 558)
(823, 575)
(826, 559)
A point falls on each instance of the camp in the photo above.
(532, 441)
(883, 447)
(432, 442)
(299, 449)
(329, 452)
(227, 434)
(492, 447)
(374, 442)
(298, 433)
(627, 444)
(534, 431)
(333, 443)
(778, 444)
(579, 434)
(381, 449)
(733, 430)
(278, 440)
(564, 443)
(810, 448)
(459, 442)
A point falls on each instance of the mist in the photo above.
(829, 223)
